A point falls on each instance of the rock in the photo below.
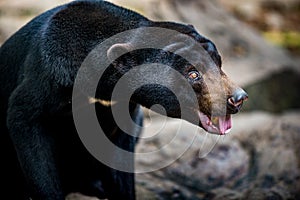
(188, 176)
(276, 93)
(14, 14)
(276, 149)
(145, 194)
(226, 165)
(258, 160)
(77, 196)
(259, 12)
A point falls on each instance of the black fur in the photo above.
(42, 155)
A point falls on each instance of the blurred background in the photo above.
(259, 41)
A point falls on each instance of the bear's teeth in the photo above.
(215, 120)
(228, 130)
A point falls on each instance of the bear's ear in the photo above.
(117, 50)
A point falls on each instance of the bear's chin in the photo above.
(220, 125)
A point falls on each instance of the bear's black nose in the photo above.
(235, 102)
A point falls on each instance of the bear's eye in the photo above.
(194, 75)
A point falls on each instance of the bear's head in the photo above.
(183, 75)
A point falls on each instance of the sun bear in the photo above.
(42, 154)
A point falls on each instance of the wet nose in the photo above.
(235, 102)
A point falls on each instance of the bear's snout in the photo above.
(235, 102)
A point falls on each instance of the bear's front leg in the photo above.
(118, 185)
(33, 143)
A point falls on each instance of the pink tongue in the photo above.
(219, 125)
(224, 124)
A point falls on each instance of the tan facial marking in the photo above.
(102, 102)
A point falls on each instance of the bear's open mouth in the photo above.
(216, 124)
